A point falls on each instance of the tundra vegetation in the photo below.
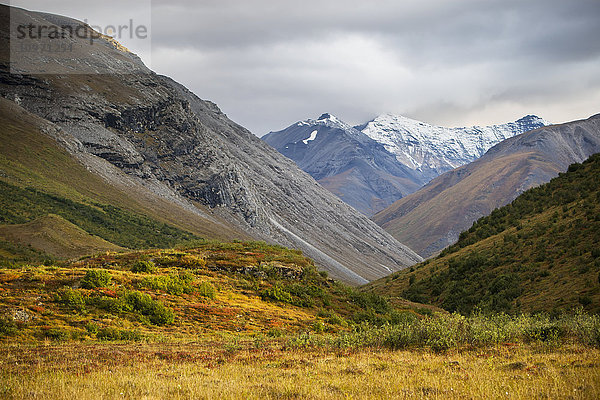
(251, 320)
(538, 254)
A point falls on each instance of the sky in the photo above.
(270, 63)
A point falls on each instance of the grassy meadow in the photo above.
(251, 320)
(271, 370)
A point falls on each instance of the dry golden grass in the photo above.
(212, 370)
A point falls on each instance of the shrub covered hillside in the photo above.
(539, 253)
(206, 287)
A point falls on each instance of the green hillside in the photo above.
(55, 236)
(539, 253)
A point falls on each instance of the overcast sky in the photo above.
(269, 63)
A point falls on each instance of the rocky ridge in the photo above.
(160, 135)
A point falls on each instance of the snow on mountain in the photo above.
(373, 165)
(433, 150)
(312, 137)
(347, 162)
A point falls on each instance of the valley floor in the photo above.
(232, 368)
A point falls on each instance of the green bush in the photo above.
(206, 289)
(369, 300)
(155, 311)
(402, 336)
(442, 332)
(57, 334)
(318, 326)
(492, 329)
(176, 284)
(92, 328)
(370, 317)
(71, 298)
(544, 333)
(150, 310)
(111, 304)
(7, 327)
(582, 327)
(143, 267)
(337, 320)
(276, 293)
(112, 334)
(96, 278)
(274, 332)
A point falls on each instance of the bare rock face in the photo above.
(162, 135)
(433, 217)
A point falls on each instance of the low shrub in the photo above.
(492, 329)
(114, 305)
(181, 260)
(143, 267)
(402, 336)
(318, 326)
(71, 298)
(57, 334)
(206, 289)
(8, 327)
(442, 333)
(155, 311)
(113, 334)
(175, 284)
(95, 278)
(370, 301)
(92, 328)
(274, 332)
(276, 293)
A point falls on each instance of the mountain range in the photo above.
(347, 162)
(157, 154)
(372, 165)
(433, 217)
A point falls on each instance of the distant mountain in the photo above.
(346, 162)
(433, 150)
(539, 253)
(433, 217)
(372, 165)
(132, 141)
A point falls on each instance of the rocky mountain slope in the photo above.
(345, 161)
(541, 252)
(372, 165)
(433, 217)
(433, 150)
(151, 138)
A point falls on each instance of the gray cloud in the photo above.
(268, 63)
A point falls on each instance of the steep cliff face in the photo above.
(433, 217)
(140, 128)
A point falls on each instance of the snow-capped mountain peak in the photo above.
(373, 165)
(435, 149)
